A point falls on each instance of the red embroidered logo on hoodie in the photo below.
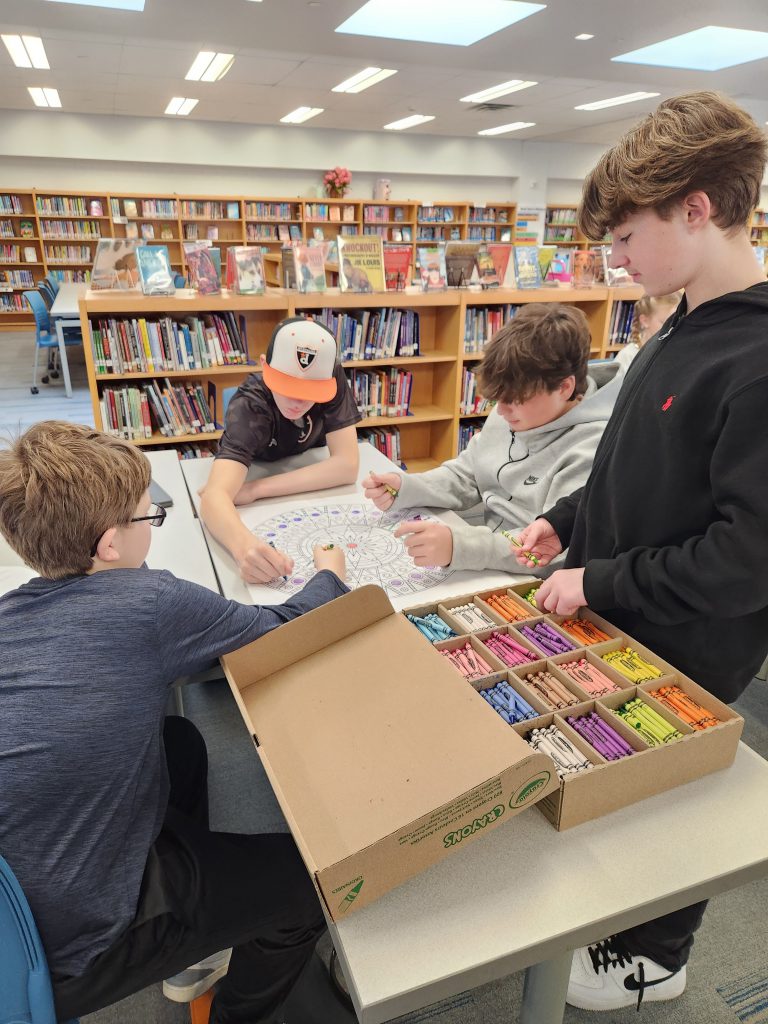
(668, 402)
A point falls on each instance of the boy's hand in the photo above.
(378, 488)
(539, 539)
(333, 560)
(260, 563)
(427, 543)
(563, 592)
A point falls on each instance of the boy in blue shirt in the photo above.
(103, 801)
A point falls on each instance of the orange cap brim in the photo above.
(295, 387)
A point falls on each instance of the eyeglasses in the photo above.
(155, 518)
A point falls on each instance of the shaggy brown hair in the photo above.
(701, 141)
(539, 347)
(61, 487)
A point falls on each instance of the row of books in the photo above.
(436, 213)
(438, 234)
(466, 432)
(210, 208)
(489, 234)
(373, 334)
(329, 212)
(488, 215)
(62, 204)
(68, 254)
(273, 211)
(385, 440)
(135, 413)
(139, 345)
(192, 451)
(381, 392)
(561, 215)
(471, 402)
(149, 208)
(9, 254)
(71, 276)
(482, 322)
(70, 229)
(13, 302)
(10, 204)
(17, 278)
(132, 230)
(273, 232)
(383, 214)
(8, 229)
(620, 327)
(560, 234)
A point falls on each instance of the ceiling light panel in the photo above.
(301, 114)
(409, 122)
(364, 79)
(44, 97)
(451, 22)
(514, 126)
(27, 51)
(209, 66)
(515, 85)
(583, 36)
(616, 101)
(705, 49)
(180, 106)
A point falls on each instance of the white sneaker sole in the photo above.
(584, 1002)
(186, 993)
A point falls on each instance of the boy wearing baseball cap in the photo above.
(300, 400)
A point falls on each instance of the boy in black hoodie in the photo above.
(668, 539)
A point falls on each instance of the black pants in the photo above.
(203, 891)
(668, 940)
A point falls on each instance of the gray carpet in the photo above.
(728, 970)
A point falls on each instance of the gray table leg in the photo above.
(63, 358)
(544, 991)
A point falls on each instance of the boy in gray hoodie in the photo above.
(536, 446)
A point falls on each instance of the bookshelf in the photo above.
(560, 227)
(435, 427)
(491, 223)
(21, 256)
(443, 222)
(758, 233)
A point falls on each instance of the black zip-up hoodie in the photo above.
(672, 524)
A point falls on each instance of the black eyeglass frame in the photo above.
(157, 518)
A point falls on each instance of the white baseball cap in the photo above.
(300, 360)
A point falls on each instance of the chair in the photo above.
(226, 396)
(53, 281)
(48, 294)
(45, 337)
(26, 996)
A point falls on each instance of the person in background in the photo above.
(650, 314)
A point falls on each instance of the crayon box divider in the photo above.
(514, 630)
(545, 665)
(593, 756)
(518, 637)
(626, 732)
(645, 652)
(427, 609)
(619, 643)
(616, 700)
(461, 641)
(592, 655)
(699, 694)
(589, 616)
(518, 602)
(445, 613)
(517, 681)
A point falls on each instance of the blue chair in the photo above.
(53, 281)
(47, 293)
(226, 396)
(45, 337)
(26, 996)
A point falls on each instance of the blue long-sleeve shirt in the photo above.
(85, 668)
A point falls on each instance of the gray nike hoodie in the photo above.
(516, 476)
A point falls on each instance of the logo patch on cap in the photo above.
(305, 356)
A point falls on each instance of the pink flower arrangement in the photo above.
(337, 181)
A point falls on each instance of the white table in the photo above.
(196, 472)
(65, 312)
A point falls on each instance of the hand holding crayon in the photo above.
(382, 489)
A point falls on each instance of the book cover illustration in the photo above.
(115, 265)
(527, 272)
(486, 269)
(233, 211)
(147, 231)
(201, 267)
(583, 269)
(129, 206)
(432, 269)
(26, 229)
(131, 229)
(249, 267)
(155, 271)
(310, 267)
(397, 265)
(460, 260)
(361, 263)
(501, 254)
(166, 232)
(288, 267)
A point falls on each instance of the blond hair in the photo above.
(701, 141)
(646, 305)
(62, 486)
(535, 351)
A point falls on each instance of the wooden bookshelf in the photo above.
(758, 232)
(489, 222)
(560, 227)
(17, 273)
(429, 436)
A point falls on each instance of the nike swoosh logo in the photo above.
(633, 985)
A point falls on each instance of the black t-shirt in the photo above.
(255, 429)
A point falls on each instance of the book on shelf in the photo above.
(381, 392)
(288, 267)
(397, 265)
(134, 413)
(333, 213)
(155, 271)
(361, 263)
(317, 233)
(130, 208)
(147, 231)
(30, 254)
(309, 261)
(460, 263)
(248, 264)
(212, 233)
(385, 440)
(373, 334)
(202, 270)
(191, 231)
(115, 264)
(546, 254)
(486, 269)
(506, 235)
(432, 269)
(131, 229)
(148, 345)
(283, 233)
(26, 229)
(761, 255)
(527, 272)
(233, 211)
(501, 254)
(215, 253)
(583, 269)
(166, 232)
(294, 232)
(348, 213)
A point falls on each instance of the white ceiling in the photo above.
(288, 55)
